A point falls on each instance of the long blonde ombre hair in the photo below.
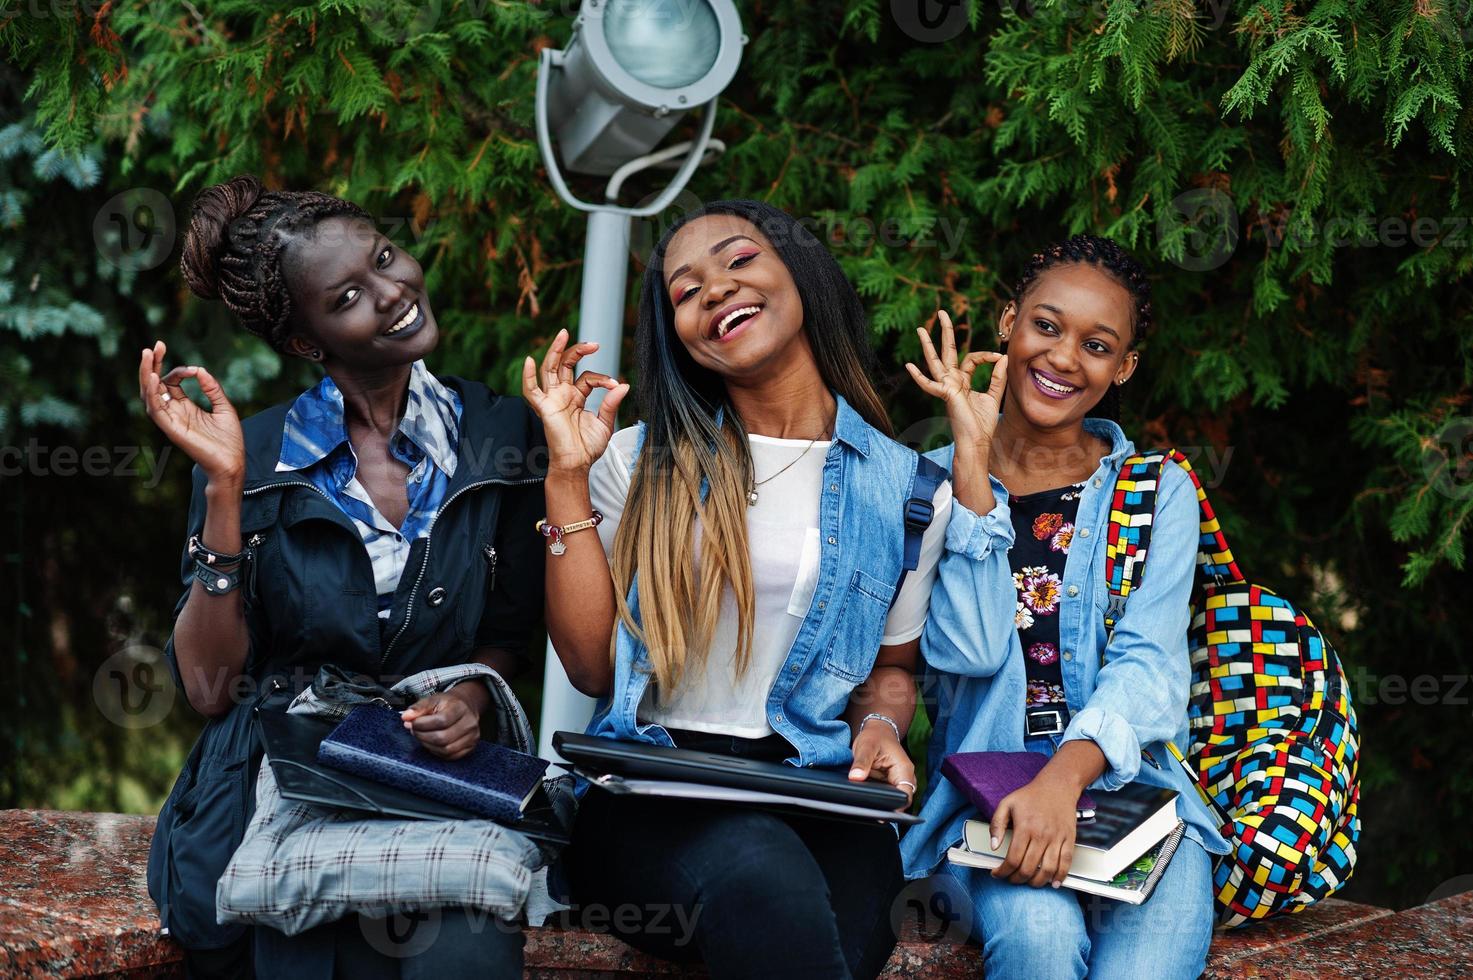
(695, 465)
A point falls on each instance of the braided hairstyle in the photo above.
(1107, 255)
(238, 235)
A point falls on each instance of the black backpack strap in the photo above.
(919, 510)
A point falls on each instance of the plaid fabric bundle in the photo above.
(1275, 747)
(301, 865)
(335, 692)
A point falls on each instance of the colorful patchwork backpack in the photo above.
(1274, 742)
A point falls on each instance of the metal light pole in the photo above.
(631, 70)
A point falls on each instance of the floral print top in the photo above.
(1043, 529)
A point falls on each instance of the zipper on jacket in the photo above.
(490, 552)
(257, 539)
(287, 483)
(425, 559)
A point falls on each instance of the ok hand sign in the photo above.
(973, 414)
(575, 438)
(212, 439)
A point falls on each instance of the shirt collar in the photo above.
(431, 418)
(850, 427)
(314, 425)
(1111, 433)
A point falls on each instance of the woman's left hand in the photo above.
(879, 755)
(445, 724)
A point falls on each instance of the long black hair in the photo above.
(696, 463)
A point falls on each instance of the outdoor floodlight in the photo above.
(631, 70)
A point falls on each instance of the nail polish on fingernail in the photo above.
(995, 842)
(855, 772)
(1056, 884)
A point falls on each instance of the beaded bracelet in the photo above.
(209, 556)
(557, 533)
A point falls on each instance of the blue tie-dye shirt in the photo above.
(315, 444)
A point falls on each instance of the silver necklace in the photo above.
(752, 489)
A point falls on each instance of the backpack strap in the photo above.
(1128, 538)
(919, 510)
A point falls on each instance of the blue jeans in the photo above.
(1056, 933)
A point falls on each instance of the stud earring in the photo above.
(317, 355)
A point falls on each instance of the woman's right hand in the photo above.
(973, 414)
(575, 438)
(212, 439)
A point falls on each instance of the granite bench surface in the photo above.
(74, 903)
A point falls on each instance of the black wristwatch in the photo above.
(217, 581)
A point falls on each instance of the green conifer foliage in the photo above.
(1293, 174)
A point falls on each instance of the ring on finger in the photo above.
(165, 396)
(906, 782)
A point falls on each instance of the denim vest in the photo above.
(866, 482)
(1127, 693)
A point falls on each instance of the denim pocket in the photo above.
(861, 624)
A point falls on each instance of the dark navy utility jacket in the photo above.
(474, 581)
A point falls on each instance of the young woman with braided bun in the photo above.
(1017, 638)
(313, 521)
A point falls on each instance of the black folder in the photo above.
(658, 770)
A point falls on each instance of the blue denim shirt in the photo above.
(866, 481)
(1128, 698)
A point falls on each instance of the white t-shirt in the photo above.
(783, 541)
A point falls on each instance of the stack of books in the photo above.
(1121, 848)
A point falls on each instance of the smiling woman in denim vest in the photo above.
(750, 548)
(1017, 628)
(335, 495)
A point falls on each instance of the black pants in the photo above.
(753, 893)
(438, 945)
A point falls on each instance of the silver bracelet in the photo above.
(887, 720)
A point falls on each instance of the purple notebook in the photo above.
(986, 777)
(493, 780)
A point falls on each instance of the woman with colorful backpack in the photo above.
(1017, 643)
